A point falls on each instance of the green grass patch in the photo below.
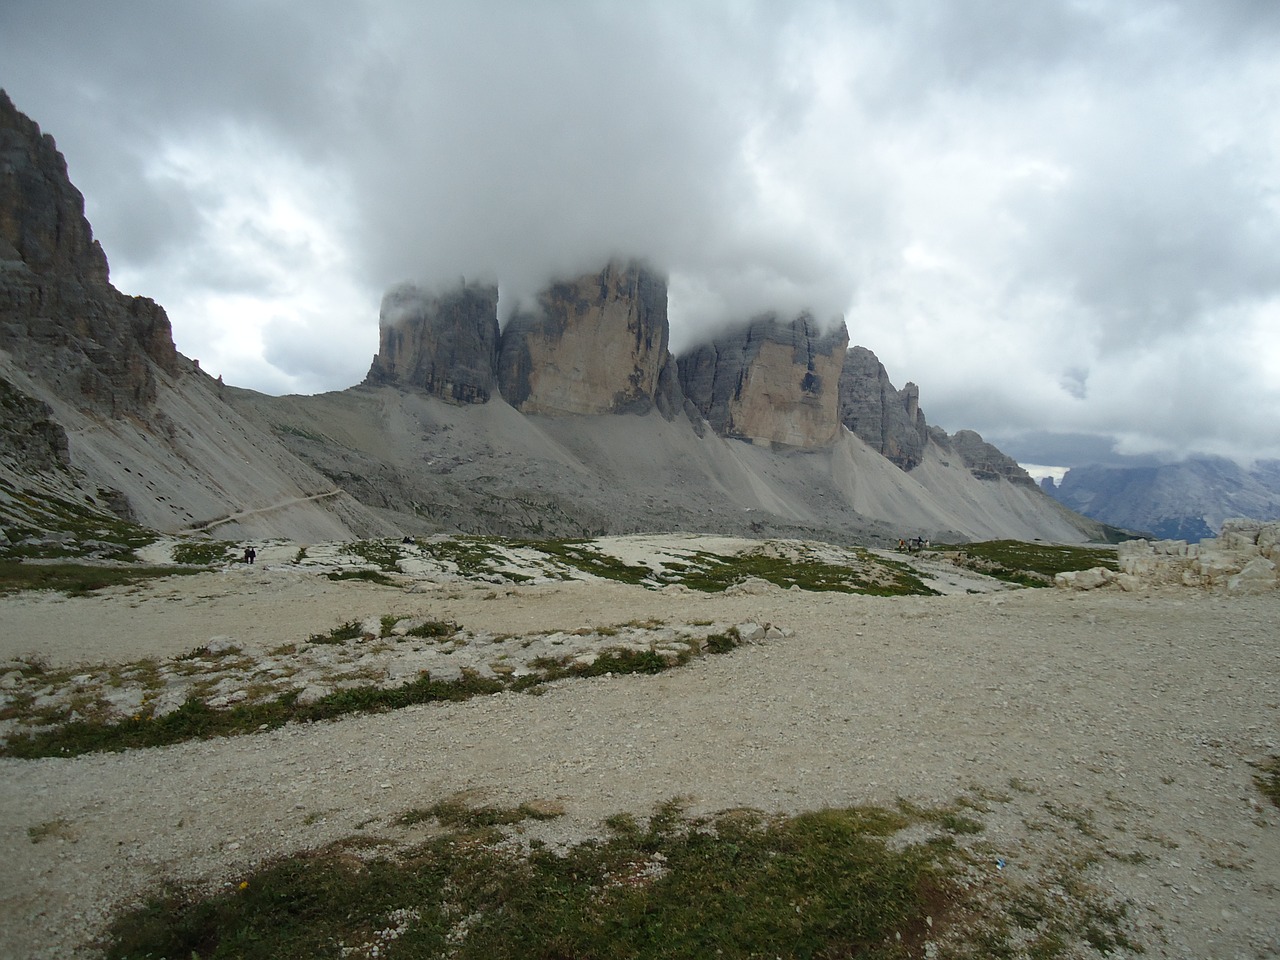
(831, 883)
(470, 556)
(825, 884)
(350, 630)
(366, 576)
(77, 579)
(579, 555)
(459, 816)
(713, 573)
(196, 720)
(433, 629)
(203, 552)
(383, 554)
(58, 528)
(1027, 564)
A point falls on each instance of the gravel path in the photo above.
(1134, 716)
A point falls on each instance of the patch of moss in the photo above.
(1027, 564)
(77, 579)
(203, 552)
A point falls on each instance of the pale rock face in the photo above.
(596, 344)
(1085, 579)
(1238, 560)
(770, 382)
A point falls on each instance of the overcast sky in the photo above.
(1060, 219)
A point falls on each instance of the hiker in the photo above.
(250, 554)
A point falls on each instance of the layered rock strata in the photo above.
(596, 344)
(771, 382)
(888, 420)
(445, 344)
(1242, 559)
(984, 461)
(58, 311)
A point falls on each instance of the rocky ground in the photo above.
(1107, 735)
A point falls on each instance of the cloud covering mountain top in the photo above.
(1058, 218)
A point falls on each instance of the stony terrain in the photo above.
(1107, 735)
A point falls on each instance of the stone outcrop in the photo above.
(596, 344)
(888, 420)
(770, 382)
(1243, 559)
(984, 461)
(445, 344)
(30, 440)
(58, 311)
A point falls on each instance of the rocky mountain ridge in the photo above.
(1188, 500)
(575, 418)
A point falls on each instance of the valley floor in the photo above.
(1104, 732)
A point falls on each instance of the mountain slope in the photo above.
(429, 465)
(106, 414)
(1185, 501)
(132, 426)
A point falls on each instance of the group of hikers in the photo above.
(914, 545)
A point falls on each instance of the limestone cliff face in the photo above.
(445, 344)
(58, 311)
(595, 344)
(984, 461)
(770, 382)
(888, 420)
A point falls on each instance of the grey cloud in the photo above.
(765, 155)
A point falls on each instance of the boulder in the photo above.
(1269, 540)
(595, 344)
(770, 382)
(1238, 532)
(1257, 576)
(1084, 579)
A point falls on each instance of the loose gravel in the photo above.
(1113, 731)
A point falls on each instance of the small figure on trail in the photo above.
(902, 545)
(250, 554)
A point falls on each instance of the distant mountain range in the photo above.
(574, 419)
(1176, 501)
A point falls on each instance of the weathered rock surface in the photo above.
(58, 312)
(103, 409)
(1187, 500)
(888, 420)
(152, 437)
(596, 344)
(984, 461)
(445, 344)
(770, 382)
(29, 438)
(1241, 560)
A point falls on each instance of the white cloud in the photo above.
(1055, 218)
